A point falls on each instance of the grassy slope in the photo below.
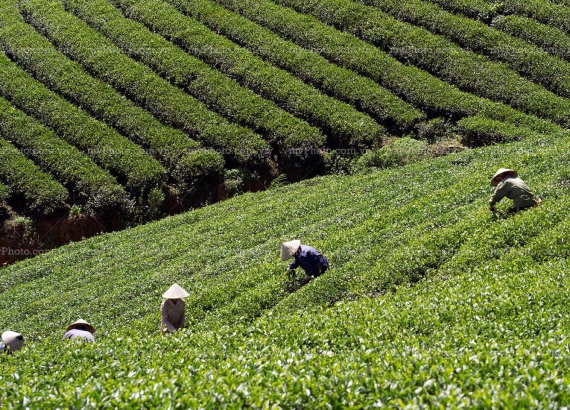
(471, 309)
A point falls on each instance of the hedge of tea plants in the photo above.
(337, 118)
(550, 39)
(307, 65)
(36, 54)
(431, 300)
(465, 69)
(530, 61)
(554, 13)
(91, 186)
(411, 83)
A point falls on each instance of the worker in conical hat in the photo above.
(173, 308)
(308, 258)
(509, 185)
(80, 331)
(11, 341)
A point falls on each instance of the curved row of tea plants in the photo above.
(181, 155)
(106, 61)
(341, 83)
(409, 82)
(41, 190)
(542, 10)
(530, 61)
(88, 184)
(550, 39)
(465, 69)
(557, 15)
(218, 91)
(478, 131)
(339, 120)
(106, 146)
(470, 308)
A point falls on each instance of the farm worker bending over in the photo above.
(11, 341)
(509, 185)
(80, 331)
(173, 309)
(311, 260)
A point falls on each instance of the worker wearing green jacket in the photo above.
(509, 185)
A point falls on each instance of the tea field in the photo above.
(431, 301)
(131, 106)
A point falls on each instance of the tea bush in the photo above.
(465, 69)
(550, 39)
(4, 192)
(168, 103)
(37, 55)
(88, 183)
(337, 119)
(410, 83)
(39, 189)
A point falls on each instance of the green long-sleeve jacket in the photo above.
(515, 189)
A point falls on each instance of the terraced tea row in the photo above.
(550, 39)
(544, 11)
(412, 84)
(179, 154)
(532, 62)
(464, 69)
(338, 119)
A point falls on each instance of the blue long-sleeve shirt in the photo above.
(309, 259)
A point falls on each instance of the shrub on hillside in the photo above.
(399, 152)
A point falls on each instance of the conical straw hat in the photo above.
(14, 340)
(288, 249)
(495, 180)
(175, 292)
(81, 322)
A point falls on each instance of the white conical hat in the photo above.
(495, 180)
(81, 322)
(14, 340)
(288, 249)
(175, 292)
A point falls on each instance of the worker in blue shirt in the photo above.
(308, 258)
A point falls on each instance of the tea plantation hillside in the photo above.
(431, 301)
(142, 108)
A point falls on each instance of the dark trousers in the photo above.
(321, 268)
